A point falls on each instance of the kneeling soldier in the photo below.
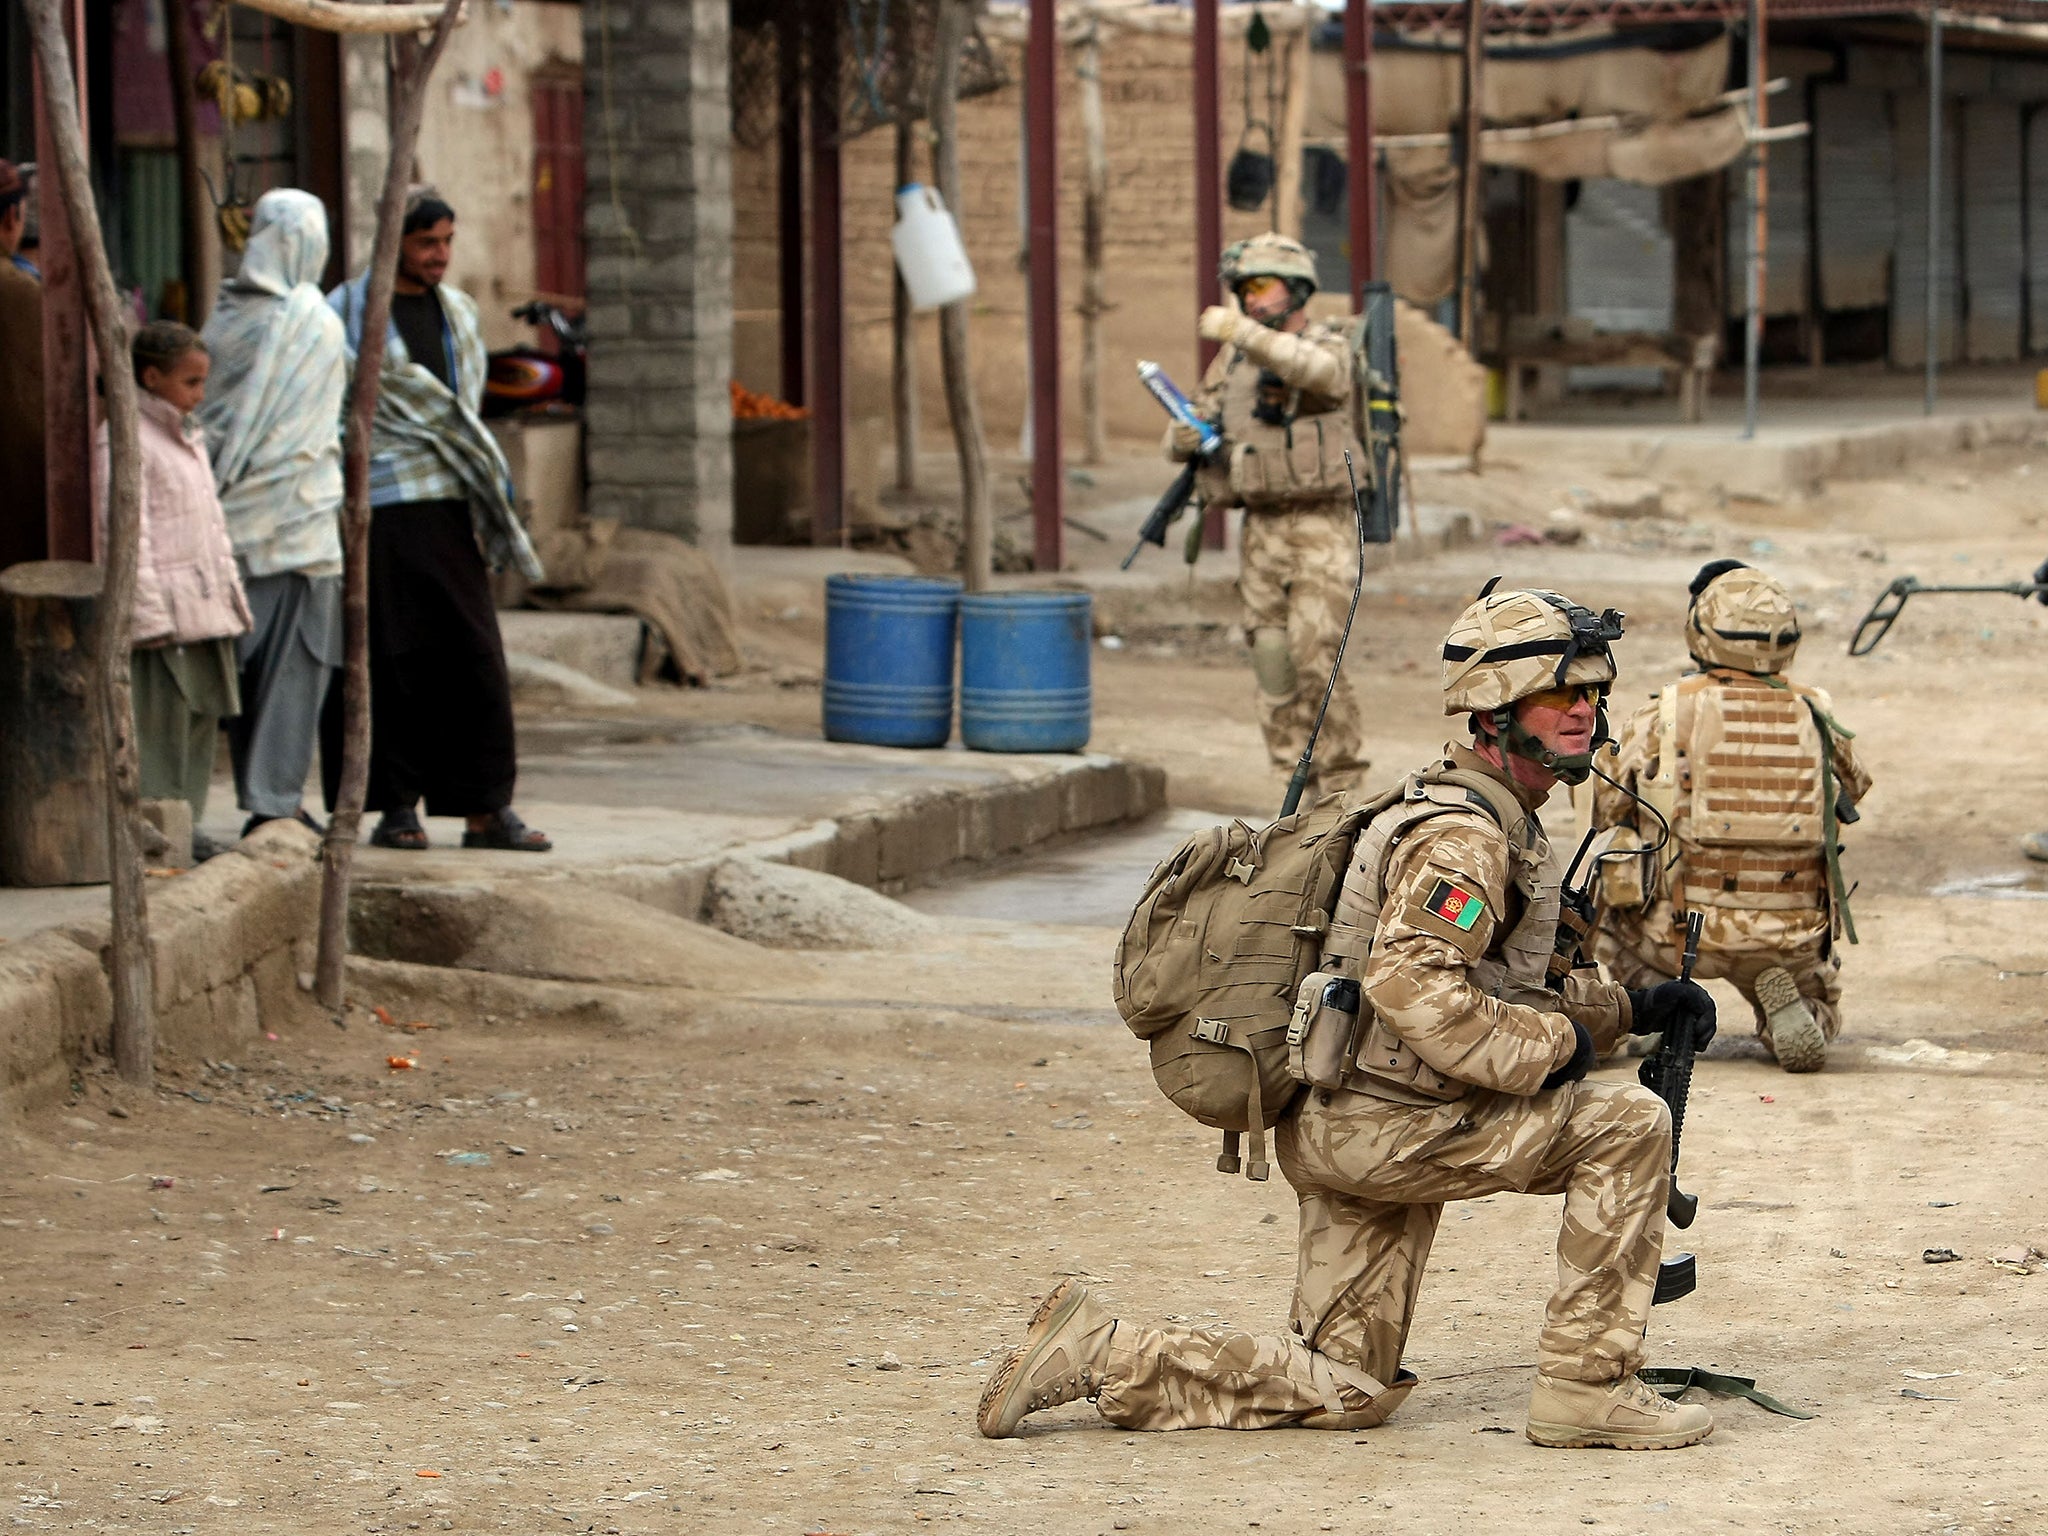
(1468, 1081)
(1753, 774)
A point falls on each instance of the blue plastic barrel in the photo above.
(889, 659)
(1024, 671)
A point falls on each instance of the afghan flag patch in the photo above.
(1456, 905)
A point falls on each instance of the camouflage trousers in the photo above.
(1372, 1177)
(1643, 947)
(1296, 576)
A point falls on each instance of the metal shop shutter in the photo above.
(1785, 287)
(1994, 250)
(1858, 208)
(1909, 258)
(2037, 229)
(1618, 271)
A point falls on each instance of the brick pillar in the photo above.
(658, 222)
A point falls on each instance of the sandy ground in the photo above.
(741, 1251)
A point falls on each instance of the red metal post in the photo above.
(1208, 198)
(789, 197)
(1048, 466)
(1363, 184)
(827, 376)
(67, 338)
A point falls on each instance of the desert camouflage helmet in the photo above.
(1510, 644)
(1742, 618)
(1269, 255)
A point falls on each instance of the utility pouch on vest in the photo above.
(1626, 882)
(1390, 1059)
(1322, 1037)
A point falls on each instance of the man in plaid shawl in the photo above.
(441, 494)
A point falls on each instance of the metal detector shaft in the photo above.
(1297, 784)
(1891, 602)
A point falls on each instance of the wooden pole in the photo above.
(412, 65)
(128, 971)
(1094, 209)
(827, 326)
(903, 341)
(1759, 226)
(1048, 467)
(1287, 196)
(1363, 185)
(977, 517)
(67, 334)
(193, 203)
(1208, 201)
(1471, 176)
(789, 198)
(1930, 391)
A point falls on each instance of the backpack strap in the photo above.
(1216, 1032)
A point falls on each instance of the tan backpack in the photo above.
(1210, 962)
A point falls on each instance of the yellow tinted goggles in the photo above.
(1257, 289)
(1568, 697)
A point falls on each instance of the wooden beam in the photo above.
(1208, 201)
(827, 377)
(1048, 467)
(1359, 149)
(339, 16)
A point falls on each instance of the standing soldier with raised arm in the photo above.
(1754, 775)
(1467, 1078)
(1280, 392)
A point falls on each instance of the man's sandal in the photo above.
(399, 829)
(505, 830)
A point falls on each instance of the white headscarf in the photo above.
(274, 398)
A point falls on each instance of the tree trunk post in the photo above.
(129, 972)
(412, 66)
(1094, 211)
(903, 339)
(977, 520)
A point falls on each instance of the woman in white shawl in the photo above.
(273, 425)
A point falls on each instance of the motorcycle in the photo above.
(544, 380)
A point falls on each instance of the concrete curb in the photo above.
(228, 941)
(912, 841)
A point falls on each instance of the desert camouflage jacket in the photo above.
(1456, 892)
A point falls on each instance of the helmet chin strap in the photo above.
(1572, 768)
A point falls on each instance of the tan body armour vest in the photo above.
(1372, 1058)
(1296, 461)
(1743, 774)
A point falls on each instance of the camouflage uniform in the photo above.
(1283, 404)
(1770, 908)
(1374, 1165)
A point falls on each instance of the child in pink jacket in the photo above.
(188, 598)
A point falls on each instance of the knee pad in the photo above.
(1273, 663)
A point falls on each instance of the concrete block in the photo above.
(857, 851)
(1011, 818)
(54, 1009)
(921, 838)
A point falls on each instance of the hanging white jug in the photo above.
(928, 250)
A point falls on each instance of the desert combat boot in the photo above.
(1063, 1356)
(1624, 1415)
(1796, 1038)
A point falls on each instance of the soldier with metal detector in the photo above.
(1437, 1050)
(1279, 403)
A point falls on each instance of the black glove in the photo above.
(1581, 1062)
(1671, 1004)
(2041, 579)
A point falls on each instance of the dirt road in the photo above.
(738, 1253)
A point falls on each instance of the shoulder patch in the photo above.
(1456, 904)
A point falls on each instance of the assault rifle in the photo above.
(1167, 510)
(1377, 376)
(1668, 1074)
